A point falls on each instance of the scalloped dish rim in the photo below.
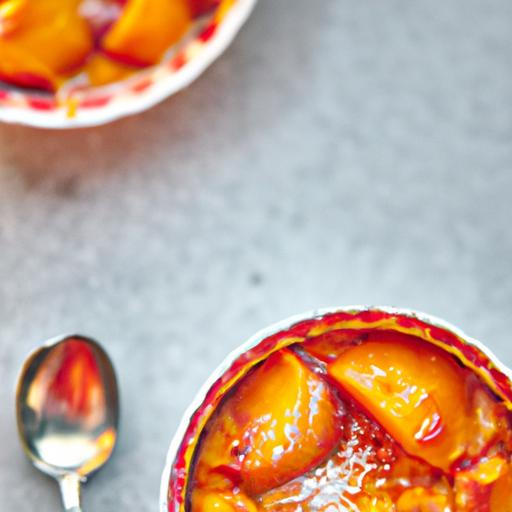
(391, 319)
(157, 84)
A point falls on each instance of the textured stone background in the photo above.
(355, 153)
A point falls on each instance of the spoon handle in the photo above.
(70, 492)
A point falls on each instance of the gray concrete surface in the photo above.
(339, 152)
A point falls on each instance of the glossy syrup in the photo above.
(365, 469)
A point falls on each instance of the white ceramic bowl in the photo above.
(296, 329)
(100, 105)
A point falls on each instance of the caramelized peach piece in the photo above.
(48, 38)
(373, 504)
(417, 392)
(501, 494)
(419, 499)
(20, 68)
(146, 29)
(12, 13)
(205, 501)
(281, 423)
(101, 70)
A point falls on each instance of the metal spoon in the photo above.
(67, 412)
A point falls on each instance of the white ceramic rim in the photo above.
(282, 326)
(157, 92)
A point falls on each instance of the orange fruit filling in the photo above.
(356, 421)
(46, 43)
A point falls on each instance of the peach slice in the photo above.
(146, 29)
(281, 423)
(12, 13)
(101, 70)
(501, 497)
(47, 38)
(418, 393)
(204, 501)
(21, 69)
(419, 499)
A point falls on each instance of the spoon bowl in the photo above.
(67, 410)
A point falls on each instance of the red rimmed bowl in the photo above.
(466, 352)
(100, 105)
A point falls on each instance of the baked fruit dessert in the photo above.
(357, 410)
(46, 44)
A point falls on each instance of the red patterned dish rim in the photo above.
(297, 329)
(101, 105)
